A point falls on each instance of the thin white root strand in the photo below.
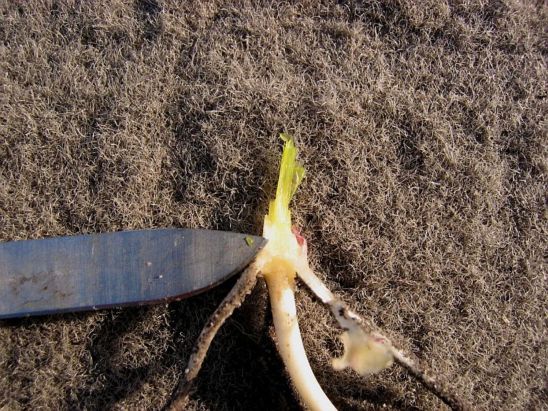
(349, 320)
(291, 347)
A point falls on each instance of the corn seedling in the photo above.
(284, 258)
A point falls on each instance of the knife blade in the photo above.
(89, 272)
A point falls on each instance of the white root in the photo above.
(365, 351)
(375, 353)
(290, 345)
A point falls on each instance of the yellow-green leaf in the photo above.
(291, 175)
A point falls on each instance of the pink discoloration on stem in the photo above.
(300, 239)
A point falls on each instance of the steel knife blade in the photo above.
(88, 272)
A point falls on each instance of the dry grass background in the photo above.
(423, 129)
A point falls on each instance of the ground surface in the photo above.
(423, 130)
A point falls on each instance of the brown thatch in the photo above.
(423, 129)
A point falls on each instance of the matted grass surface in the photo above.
(423, 130)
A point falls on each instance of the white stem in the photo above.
(290, 344)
